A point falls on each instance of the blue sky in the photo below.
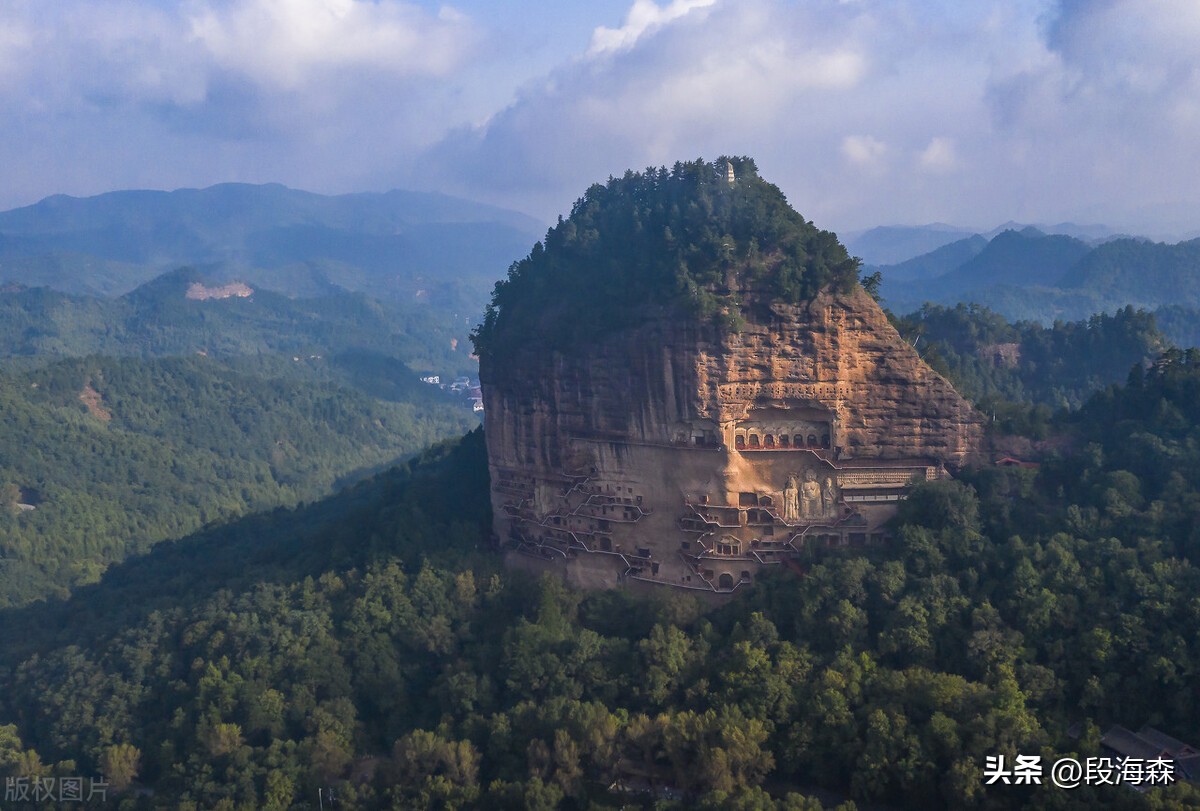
(864, 112)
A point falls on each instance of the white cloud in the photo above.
(15, 41)
(939, 155)
(1048, 105)
(643, 16)
(276, 55)
(1108, 114)
(863, 112)
(864, 150)
(282, 42)
(308, 92)
(804, 87)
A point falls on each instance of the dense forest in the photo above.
(369, 648)
(103, 457)
(186, 612)
(997, 364)
(684, 239)
(132, 420)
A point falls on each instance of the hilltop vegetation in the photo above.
(365, 645)
(682, 240)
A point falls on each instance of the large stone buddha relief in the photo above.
(808, 497)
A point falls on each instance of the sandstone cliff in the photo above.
(716, 423)
(663, 381)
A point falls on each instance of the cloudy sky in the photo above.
(864, 112)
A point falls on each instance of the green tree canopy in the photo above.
(684, 238)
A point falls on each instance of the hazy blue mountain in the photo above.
(937, 262)
(1141, 271)
(1180, 325)
(1011, 260)
(398, 244)
(895, 244)
(1029, 275)
(890, 244)
(1094, 233)
(1024, 257)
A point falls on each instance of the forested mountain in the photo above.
(995, 363)
(364, 645)
(1030, 276)
(1181, 325)
(159, 319)
(219, 633)
(1140, 272)
(100, 457)
(186, 401)
(937, 262)
(684, 241)
(400, 244)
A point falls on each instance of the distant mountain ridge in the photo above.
(938, 261)
(895, 244)
(392, 244)
(1031, 275)
(892, 244)
(249, 207)
(1016, 258)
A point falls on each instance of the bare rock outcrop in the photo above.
(199, 292)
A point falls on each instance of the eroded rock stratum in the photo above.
(692, 452)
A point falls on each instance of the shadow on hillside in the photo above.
(405, 513)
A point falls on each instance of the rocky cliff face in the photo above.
(669, 382)
(682, 453)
